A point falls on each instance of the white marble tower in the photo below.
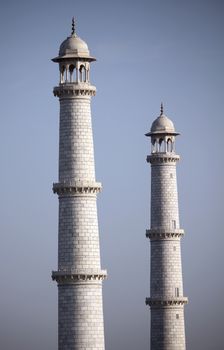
(79, 275)
(166, 286)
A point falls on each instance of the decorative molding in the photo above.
(162, 158)
(155, 234)
(158, 302)
(68, 90)
(64, 277)
(77, 188)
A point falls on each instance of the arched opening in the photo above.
(177, 292)
(153, 146)
(169, 145)
(62, 74)
(161, 145)
(71, 73)
(82, 73)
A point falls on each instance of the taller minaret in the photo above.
(79, 275)
(166, 287)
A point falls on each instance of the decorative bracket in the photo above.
(68, 90)
(65, 277)
(77, 188)
(155, 234)
(158, 158)
(158, 302)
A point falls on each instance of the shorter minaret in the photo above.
(166, 286)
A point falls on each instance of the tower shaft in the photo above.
(76, 154)
(79, 274)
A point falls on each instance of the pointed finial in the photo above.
(161, 109)
(73, 26)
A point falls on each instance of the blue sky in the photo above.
(147, 52)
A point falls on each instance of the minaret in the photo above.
(166, 287)
(79, 275)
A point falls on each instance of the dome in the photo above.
(162, 125)
(74, 46)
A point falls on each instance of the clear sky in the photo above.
(148, 52)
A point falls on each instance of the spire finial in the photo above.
(161, 109)
(73, 26)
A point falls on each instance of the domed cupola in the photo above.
(73, 46)
(162, 134)
(162, 124)
(74, 59)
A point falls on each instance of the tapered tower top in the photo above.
(162, 125)
(73, 48)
